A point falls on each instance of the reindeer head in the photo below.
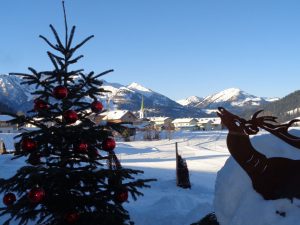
(236, 124)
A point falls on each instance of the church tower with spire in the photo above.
(142, 110)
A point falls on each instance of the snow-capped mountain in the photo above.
(230, 97)
(155, 104)
(18, 98)
(13, 94)
(190, 101)
(233, 99)
(271, 99)
(287, 108)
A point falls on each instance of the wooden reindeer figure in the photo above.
(273, 178)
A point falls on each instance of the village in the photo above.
(151, 126)
(137, 122)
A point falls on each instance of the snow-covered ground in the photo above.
(237, 203)
(164, 203)
(228, 192)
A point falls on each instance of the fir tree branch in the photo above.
(60, 45)
(103, 73)
(71, 38)
(49, 43)
(66, 24)
(52, 60)
(75, 60)
(82, 43)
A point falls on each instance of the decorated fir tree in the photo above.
(73, 175)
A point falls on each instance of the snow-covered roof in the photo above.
(5, 118)
(213, 120)
(158, 119)
(114, 115)
(183, 120)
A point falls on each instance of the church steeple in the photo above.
(142, 115)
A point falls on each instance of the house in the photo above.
(143, 124)
(116, 116)
(212, 123)
(186, 124)
(127, 118)
(6, 126)
(30, 126)
(162, 123)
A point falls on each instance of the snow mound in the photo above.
(237, 203)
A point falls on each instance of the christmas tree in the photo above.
(72, 174)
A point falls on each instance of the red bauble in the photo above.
(60, 92)
(40, 105)
(28, 145)
(82, 147)
(96, 106)
(108, 144)
(9, 199)
(122, 196)
(72, 217)
(36, 195)
(70, 116)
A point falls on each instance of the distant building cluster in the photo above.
(131, 121)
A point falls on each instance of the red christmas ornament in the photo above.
(28, 145)
(60, 92)
(82, 147)
(9, 199)
(70, 116)
(108, 144)
(122, 196)
(40, 105)
(36, 195)
(96, 106)
(72, 217)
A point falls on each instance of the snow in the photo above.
(184, 120)
(138, 87)
(165, 203)
(6, 118)
(233, 96)
(114, 115)
(210, 111)
(271, 99)
(229, 192)
(159, 119)
(215, 120)
(10, 86)
(225, 95)
(293, 111)
(192, 100)
(237, 203)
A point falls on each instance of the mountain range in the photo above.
(232, 99)
(16, 97)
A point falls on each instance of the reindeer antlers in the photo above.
(279, 130)
(256, 119)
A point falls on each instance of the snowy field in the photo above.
(164, 203)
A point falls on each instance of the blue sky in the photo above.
(176, 47)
